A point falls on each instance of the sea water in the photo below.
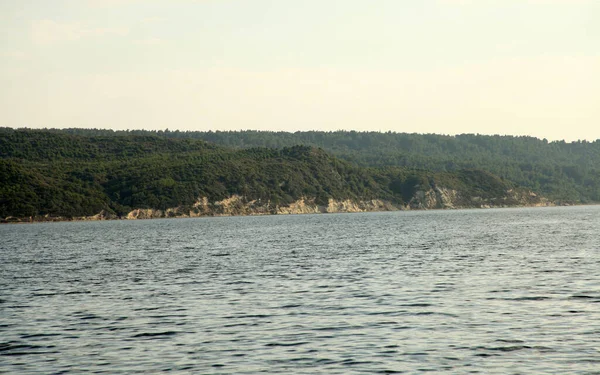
(501, 291)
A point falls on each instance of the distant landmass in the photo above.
(101, 174)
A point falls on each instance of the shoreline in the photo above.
(98, 217)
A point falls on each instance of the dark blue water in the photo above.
(510, 291)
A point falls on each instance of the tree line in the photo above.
(81, 172)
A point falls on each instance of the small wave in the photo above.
(259, 316)
(384, 313)
(13, 345)
(510, 348)
(90, 317)
(147, 309)
(167, 316)
(29, 353)
(15, 348)
(238, 325)
(522, 299)
(185, 270)
(533, 298)
(589, 360)
(384, 323)
(287, 343)
(336, 328)
(485, 355)
(585, 297)
(77, 292)
(513, 348)
(155, 334)
(38, 335)
(44, 294)
(420, 313)
(353, 362)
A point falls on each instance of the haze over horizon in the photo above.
(434, 66)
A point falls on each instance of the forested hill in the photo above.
(560, 170)
(60, 174)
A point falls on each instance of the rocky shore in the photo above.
(433, 198)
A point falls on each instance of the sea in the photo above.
(488, 291)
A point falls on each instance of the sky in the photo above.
(516, 67)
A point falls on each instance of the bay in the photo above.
(501, 291)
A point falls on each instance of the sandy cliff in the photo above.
(427, 199)
(423, 199)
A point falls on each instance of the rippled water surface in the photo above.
(510, 291)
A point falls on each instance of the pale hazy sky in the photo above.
(520, 67)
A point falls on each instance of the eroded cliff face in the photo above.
(360, 206)
(424, 199)
(301, 206)
(433, 198)
(142, 213)
(308, 206)
(239, 206)
(442, 198)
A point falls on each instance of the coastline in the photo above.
(238, 206)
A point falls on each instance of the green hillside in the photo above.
(568, 172)
(60, 174)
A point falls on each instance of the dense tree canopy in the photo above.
(78, 173)
(568, 172)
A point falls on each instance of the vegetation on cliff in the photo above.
(60, 174)
(567, 172)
